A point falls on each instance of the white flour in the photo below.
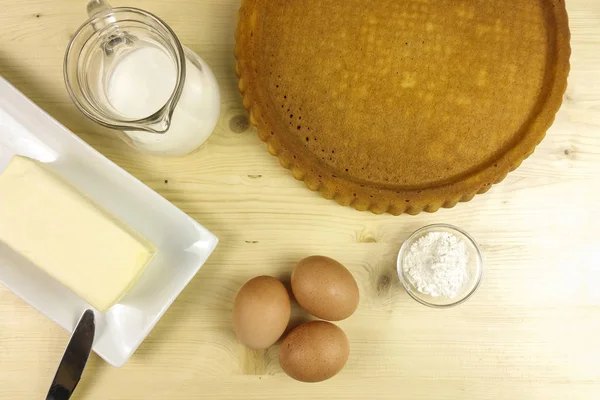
(436, 264)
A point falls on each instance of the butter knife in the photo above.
(73, 362)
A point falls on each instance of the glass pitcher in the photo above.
(126, 69)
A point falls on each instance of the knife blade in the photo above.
(73, 361)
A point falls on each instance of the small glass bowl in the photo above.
(475, 267)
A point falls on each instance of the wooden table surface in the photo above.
(532, 331)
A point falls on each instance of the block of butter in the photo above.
(53, 225)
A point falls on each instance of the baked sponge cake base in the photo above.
(402, 106)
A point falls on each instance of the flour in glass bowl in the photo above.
(436, 264)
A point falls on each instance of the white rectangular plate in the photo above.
(183, 245)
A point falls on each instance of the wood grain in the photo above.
(532, 331)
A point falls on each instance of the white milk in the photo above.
(143, 81)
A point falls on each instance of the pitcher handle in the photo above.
(96, 6)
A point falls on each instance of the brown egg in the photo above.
(325, 288)
(261, 312)
(314, 351)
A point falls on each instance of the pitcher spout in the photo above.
(161, 123)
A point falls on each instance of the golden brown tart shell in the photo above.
(402, 106)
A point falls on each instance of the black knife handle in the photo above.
(59, 392)
(73, 362)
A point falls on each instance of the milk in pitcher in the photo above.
(142, 81)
